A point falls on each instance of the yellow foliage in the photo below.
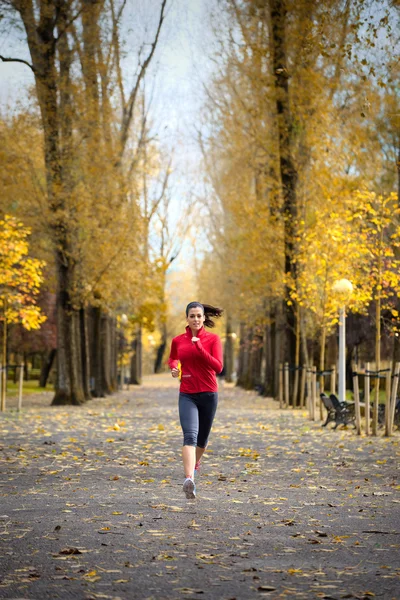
(20, 276)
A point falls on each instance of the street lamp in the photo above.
(342, 289)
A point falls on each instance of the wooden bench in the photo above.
(342, 413)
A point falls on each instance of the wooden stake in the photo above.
(20, 385)
(333, 380)
(309, 393)
(388, 381)
(280, 385)
(376, 407)
(286, 377)
(393, 398)
(314, 393)
(295, 387)
(367, 400)
(357, 403)
(303, 385)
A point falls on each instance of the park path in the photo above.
(91, 503)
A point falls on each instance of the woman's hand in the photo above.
(175, 372)
(195, 339)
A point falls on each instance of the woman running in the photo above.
(199, 353)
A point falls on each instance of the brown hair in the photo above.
(208, 310)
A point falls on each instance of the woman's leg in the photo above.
(207, 409)
(189, 418)
(189, 460)
(199, 453)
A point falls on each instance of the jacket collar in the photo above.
(200, 334)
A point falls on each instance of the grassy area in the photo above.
(29, 387)
(382, 396)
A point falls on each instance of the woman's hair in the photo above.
(208, 310)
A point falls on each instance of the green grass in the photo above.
(29, 387)
(382, 395)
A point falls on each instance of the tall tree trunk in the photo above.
(4, 363)
(46, 367)
(228, 352)
(136, 359)
(288, 173)
(96, 353)
(158, 364)
(106, 354)
(85, 352)
(268, 375)
(242, 355)
(114, 354)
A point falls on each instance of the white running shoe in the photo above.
(189, 488)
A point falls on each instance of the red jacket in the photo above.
(200, 361)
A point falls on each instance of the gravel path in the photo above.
(91, 503)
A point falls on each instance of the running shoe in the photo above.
(189, 488)
(197, 467)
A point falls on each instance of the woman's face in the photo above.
(195, 318)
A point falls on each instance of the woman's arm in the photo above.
(173, 356)
(214, 360)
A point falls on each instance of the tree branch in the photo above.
(19, 60)
(132, 98)
(67, 25)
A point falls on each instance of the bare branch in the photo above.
(67, 25)
(115, 42)
(19, 60)
(132, 98)
(157, 201)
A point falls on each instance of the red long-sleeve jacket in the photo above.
(200, 361)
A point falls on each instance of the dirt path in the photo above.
(91, 504)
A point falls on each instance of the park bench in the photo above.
(342, 413)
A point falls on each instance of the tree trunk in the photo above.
(113, 354)
(268, 375)
(159, 364)
(228, 352)
(322, 358)
(242, 365)
(288, 171)
(136, 360)
(85, 352)
(46, 367)
(98, 389)
(106, 354)
(4, 364)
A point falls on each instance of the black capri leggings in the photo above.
(196, 413)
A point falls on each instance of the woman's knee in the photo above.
(189, 439)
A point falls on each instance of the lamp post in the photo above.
(342, 289)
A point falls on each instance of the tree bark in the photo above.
(158, 365)
(98, 389)
(228, 352)
(46, 367)
(85, 352)
(242, 363)
(106, 354)
(288, 172)
(136, 360)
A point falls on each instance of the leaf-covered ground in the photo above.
(91, 503)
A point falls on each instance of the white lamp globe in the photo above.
(343, 288)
